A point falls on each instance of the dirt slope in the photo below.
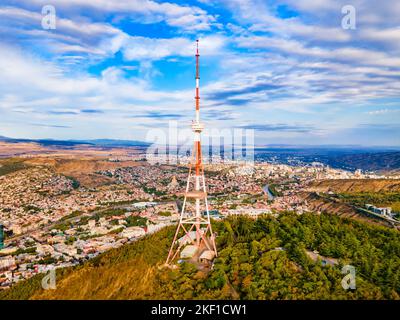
(355, 185)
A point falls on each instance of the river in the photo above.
(268, 192)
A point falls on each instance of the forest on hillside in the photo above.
(258, 259)
(379, 199)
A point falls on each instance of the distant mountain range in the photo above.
(68, 143)
(378, 161)
(349, 157)
(258, 148)
(381, 159)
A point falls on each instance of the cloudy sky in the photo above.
(285, 68)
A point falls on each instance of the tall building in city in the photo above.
(194, 228)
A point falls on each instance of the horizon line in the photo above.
(139, 142)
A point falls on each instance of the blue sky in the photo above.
(117, 69)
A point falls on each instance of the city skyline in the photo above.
(286, 69)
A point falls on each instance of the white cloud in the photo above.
(315, 5)
(369, 13)
(71, 36)
(304, 69)
(63, 25)
(37, 78)
(145, 11)
(36, 91)
(74, 37)
(382, 112)
(344, 54)
(387, 36)
(260, 16)
(141, 48)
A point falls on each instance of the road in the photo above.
(362, 210)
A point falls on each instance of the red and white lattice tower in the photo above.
(194, 226)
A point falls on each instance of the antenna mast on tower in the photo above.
(196, 227)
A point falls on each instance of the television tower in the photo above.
(193, 222)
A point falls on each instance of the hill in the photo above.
(81, 169)
(71, 143)
(350, 158)
(352, 193)
(355, 185)
(381, 161)
(258, 259)
(321, 203)
(84, 170)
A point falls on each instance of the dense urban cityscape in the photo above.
(52, 221)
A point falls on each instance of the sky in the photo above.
(286, 69)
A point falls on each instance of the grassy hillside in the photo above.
(319, 203)
(356, 185)
(249, 265)
(11, 165)
(381, 193)
(84, 170)
(379, 199)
